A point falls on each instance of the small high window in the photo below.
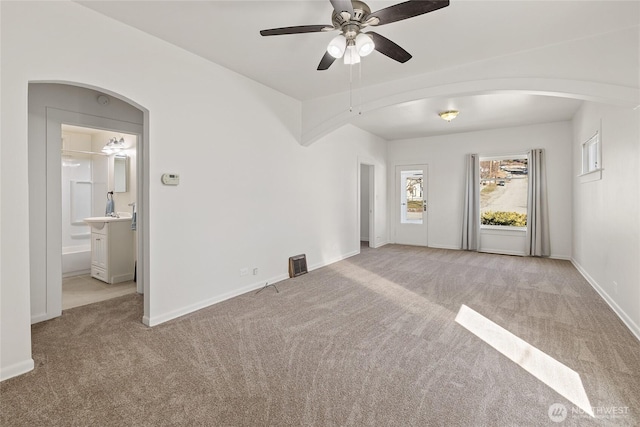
(591, 154)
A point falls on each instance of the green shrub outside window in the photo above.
(511, 219)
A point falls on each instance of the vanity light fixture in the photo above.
(449, 115)
(113, 146)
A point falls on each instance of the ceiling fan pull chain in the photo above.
(350, 88)
(360, 89)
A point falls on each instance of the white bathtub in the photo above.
(76, 260)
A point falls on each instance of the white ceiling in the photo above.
(227, 33)
(420, 118)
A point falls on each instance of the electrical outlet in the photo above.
(244, 271)
(255, 271)
(615, 287)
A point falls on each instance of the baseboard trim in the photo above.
(380, 244)
(45, 316)
(16, 369)
(174, 314)
(501, 252)
(76, 273)
(629, 323)
(39, 318)
(333, 260)
(455, 248)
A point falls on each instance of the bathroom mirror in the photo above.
(120, 173)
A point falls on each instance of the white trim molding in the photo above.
(629, 323)
(16, 369)
(174, 314)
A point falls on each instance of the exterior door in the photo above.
(411, 205)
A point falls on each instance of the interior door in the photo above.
(411, 205)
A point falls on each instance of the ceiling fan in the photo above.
(351, 17)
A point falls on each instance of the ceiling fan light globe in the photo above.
(337, 46)
(351, 56)
(364, 44)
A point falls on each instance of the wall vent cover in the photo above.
(297, 265)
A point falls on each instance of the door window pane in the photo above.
(412, 197)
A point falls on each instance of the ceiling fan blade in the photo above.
(405, 10)
(297, 30)
(342, 6)
(326, 61)
(389, 48)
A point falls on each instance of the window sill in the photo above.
(502, 229)
(594, 175)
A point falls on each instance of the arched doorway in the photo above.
(50, 106)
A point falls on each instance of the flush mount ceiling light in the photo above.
(449, 115)
(113, 146)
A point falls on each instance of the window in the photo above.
(591, 161)
(411, 197)
(504, 183)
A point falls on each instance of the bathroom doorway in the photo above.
(50, 106)
(96, 165)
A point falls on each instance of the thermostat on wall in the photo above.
(170, 179)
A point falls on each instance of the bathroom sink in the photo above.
(99, 219)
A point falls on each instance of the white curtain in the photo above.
(471, 215)
(537, 212)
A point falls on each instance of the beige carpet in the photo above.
(371, 340)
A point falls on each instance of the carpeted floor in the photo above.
(371, 340)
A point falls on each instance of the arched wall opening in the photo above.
(319, 116)
(51, 104)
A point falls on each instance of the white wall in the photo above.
(225, 135)
(606, 212)
(445, 156)
(303, 200)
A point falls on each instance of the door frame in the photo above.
(395, 214)
(52, 146)
(372, 205)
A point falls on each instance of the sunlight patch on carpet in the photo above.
(397, 294)
(554, 374)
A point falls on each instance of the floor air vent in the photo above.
(297, 265)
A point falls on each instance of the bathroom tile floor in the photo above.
(83, 290)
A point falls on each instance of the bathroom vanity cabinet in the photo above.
(112, 257)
